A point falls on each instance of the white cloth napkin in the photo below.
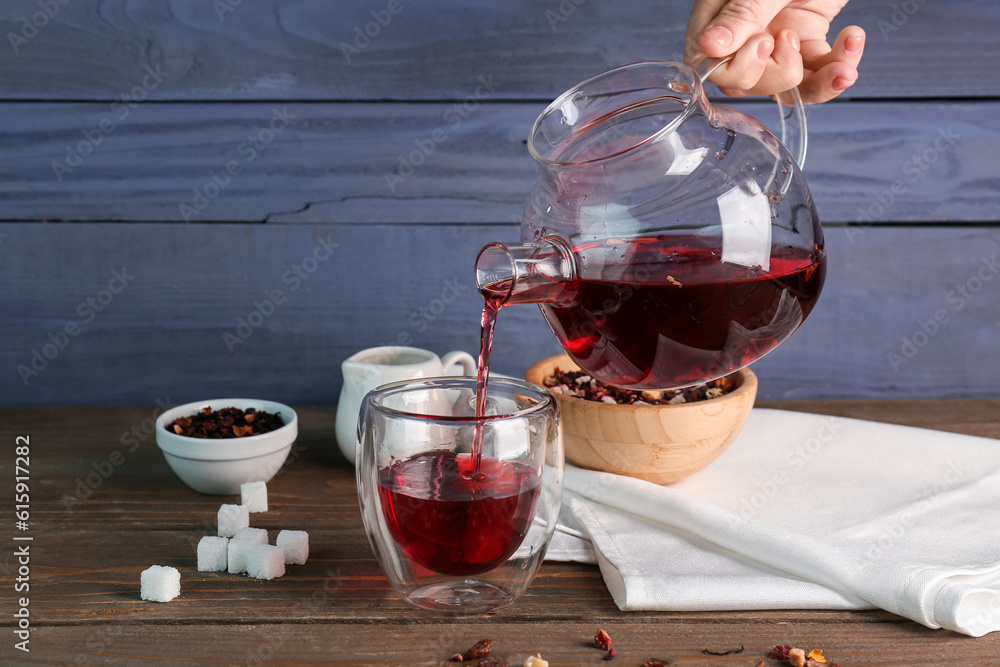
(804, 512)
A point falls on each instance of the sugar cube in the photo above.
(266, 562)
(237, 554)
(232, 519)
(256, 535)
(296, 546)
(254, 496)
(212, 554)
(160, 584)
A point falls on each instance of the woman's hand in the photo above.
(777, 45)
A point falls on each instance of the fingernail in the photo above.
(719, 34)
(793, 39)
(853, 44)
(765, 48)
(840, 83)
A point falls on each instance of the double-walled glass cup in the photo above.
(450, 534)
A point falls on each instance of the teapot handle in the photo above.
(793, 121)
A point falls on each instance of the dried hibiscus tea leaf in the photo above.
(457, 658)
(489, 662)
(816, 655)
(780, 652)
(603, 640)
(723, 383)
(226, 423)
(582, 385)
(480, 649)
(655, 662)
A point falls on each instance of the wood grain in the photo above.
(170, 94)
(337, 609)
(330, 163)
(99, 50)
(165, 335)
(968, 416)
(683, 641)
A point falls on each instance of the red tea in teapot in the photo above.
(671, 314)
(679, 316)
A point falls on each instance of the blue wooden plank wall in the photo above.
(171, 168)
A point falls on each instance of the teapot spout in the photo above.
(541, 272)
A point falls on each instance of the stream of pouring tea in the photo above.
(493, 296)
(455, 513)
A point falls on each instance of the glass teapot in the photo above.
(668, 241)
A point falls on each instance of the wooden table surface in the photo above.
(89, 545)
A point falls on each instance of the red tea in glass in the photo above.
(453, 519)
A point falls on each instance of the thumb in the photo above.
(735, 23)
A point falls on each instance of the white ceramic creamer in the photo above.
(377, 366)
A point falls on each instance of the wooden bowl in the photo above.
(657, 443)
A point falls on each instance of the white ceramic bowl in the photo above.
(219, 467)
